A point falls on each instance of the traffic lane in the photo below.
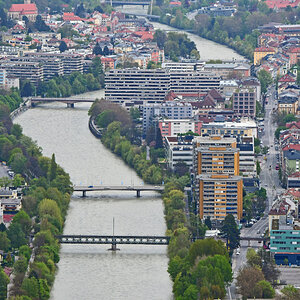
(3, 171)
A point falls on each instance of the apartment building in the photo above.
(181, 66)
(128, 84)
(217, 186)
(123, 85)
(32, 71)
(229, 70)
(169, 127)
(244, 102)
(2, 78)
(193, 83)
(169, 109)
(261, 52)
(179, 150)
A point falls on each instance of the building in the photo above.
(217, 10)
(2, 78)
(123, 85)
(154, 84)
(261, 52)
(12, 82)
(229, 70)
(170, 110)
(244, 127)
(18, 11)
(218, 188)
(179, 150)
(169, 127)
(288, 104)
(189, 66)
(10, 201)
(244, 102)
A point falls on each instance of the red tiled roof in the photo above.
(292, 124)
(178, 3)
(264, 49)
(287, 78)
(291, 146)
(70, 17)
(281, 3)
(7, 218)
(23, 7)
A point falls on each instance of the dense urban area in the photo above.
(215, 142)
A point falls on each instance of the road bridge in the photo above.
(251, 238)
(128, 2)
(69, 101)
(113, 240)
(154, 17)
(99, 188)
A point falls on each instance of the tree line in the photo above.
(44, 207)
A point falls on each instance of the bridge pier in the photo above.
(248, 243)
(138, 193)
(70, 105)
(83, 194)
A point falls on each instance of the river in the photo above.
(207, 49)
(90, 271)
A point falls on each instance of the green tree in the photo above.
(20, 266)
(16, 235)
(253, 259)
(4, 242)
(97, 49)
(4, 280)
(290, 293)
(16, 130)
(24, 220)
(31, 287)
(231, 232)
(258, 168)
(265, 79)
(18, 163)
(62, 46)
(18, 180)
(27, 89)
(53, 168)
(207, 222)
(263, 289)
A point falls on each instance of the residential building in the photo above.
(261, 52)
(189, 66)
(10, 201)
(217, 10)
(12, 82)
(2, 78)
(169, 127)
(136, 84)
(170, 109)
(179, 150)
(244, 102)
(288, 104)
(229, 70)
(217, 186)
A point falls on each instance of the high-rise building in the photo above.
(218, 188)
(244, 102)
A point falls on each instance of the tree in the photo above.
(18, 180)
(4, 280)
(247, 278)
(290, 293)
(253, 259)
(62, 46)
(16, 235)
(207, 222)
(20, 265)
(160, 38)
(40, 24)
(97, 49)
(80, 10)
(265, 79)
(27, 89)
(31, 287)
(50, 207)
(258, 169)
(18, 163)
(4, 242)
(263, 289)
(195, 54)
(24, 220)
(16, 130)
(105, 51)
(53, 168)
(231, 232)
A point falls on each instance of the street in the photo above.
(270, 181)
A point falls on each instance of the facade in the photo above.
(171, 110)
(123, 85)
(18, 11)
(2, 78)
(179, 149)
(184, 66)
(288, 105)
(244, 102)
(229, 70)
(12, 82)
(261, 52)
(218, 188)
(173, 128)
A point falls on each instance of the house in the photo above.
(10, 202)
(288, 103)
(285, 81)
(18, 11)
(261, 52)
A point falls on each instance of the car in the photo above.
(238, 252)
(277, 167)
(258, 231)
(90, 186)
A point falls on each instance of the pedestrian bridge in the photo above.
(99, 188)
(69, 101)
(128, 2)
(113, 240)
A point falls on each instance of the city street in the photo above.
(268, 180)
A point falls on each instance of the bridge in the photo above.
(69, 101)
(128, 2)
(137, 189)
(251, 238)
(154, 17)
(113, 240)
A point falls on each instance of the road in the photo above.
(268, 180)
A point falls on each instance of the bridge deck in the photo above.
(109, 239)
(78, 188)
(64, 100)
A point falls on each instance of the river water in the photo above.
(90, 271)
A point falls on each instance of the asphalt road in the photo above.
(270, 181)
(3, 171)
